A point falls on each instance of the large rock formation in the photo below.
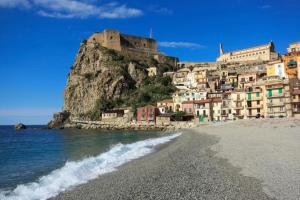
(101, 74)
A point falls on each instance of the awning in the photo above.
(292, 63)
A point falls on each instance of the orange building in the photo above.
(291, 64)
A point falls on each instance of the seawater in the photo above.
(39, 164)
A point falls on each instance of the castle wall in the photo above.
(138, 43)
(108, 38)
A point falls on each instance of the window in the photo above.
(279, 90)
(111, 37)
(204, 112)
(257, 94)
(258, 110)
(251, 79)
(190, 110)
(258, 103)
(269, 92)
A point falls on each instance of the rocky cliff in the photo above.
(100, 75)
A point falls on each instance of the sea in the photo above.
(38, 163)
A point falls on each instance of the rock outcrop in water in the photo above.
(20, 126)
(101, 76)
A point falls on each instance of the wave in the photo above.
(78, 172)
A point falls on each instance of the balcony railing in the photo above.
(254, 106)
(275, 95)
(276, 104)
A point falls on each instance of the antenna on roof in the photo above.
(151, 34)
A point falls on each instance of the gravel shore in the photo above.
(186, 168)
(265, 149)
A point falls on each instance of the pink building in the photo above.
(147, 115)
(188, 107)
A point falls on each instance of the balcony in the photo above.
(276, 104)
(255, 98)
(275, 96)
(254, 106)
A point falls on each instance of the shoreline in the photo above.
(185, 168)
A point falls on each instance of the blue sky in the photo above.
(39, 39)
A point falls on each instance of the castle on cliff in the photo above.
(140, 46)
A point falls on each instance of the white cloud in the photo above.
(180, 45)
(15, 3)
(75, 8)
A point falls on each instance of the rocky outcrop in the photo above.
(100, 74)
(59, 119)
(20, 126)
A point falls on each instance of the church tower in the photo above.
(221, 49)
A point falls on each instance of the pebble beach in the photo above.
(249, 159)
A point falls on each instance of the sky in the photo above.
(39, 39)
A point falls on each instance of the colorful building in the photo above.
(276, 68)
(278, 98)
(291, 64)
(147, 115)
(254, 102)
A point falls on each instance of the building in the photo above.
(188, 107)
(147, 115)
(295, 97)
(152, 71)
(294, 47)
(247, 79)
(278, 98)
(121, 115)
(181, 78)
(113, 39)
(276, 68)
(200, 75)
(226, 112)
(254, 97)
(165, 106)
(264, 52)
(238, 104)
(292, 65)
(203, 110)
(216, 109)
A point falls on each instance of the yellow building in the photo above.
(276, 68)
(277, 98)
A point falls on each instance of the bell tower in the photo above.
(221, 49)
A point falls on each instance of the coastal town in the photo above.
(252, 83)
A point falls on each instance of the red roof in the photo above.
(197, 101)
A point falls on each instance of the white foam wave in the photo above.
(78, 172)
